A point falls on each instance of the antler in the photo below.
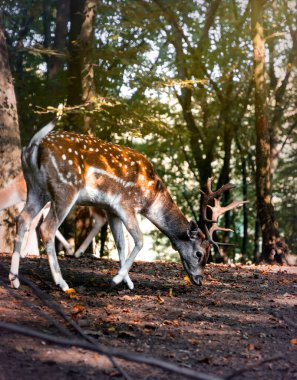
(217, 209)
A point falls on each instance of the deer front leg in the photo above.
(116, 227)
(134, 230)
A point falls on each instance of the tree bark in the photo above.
(274, 248)
(56, 63)
(81, 87)
(10, 152)
(74, 95)
(87, 54)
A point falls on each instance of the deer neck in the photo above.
(168, 218)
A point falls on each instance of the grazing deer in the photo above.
(15, 194)
(66, 168)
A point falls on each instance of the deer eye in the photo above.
(199, 255)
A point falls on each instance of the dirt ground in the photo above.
(240, 317)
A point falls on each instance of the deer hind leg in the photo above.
(48, 230)
(134, 230)
(31, 209)
(64, 242)
(31, 235)
(116, 227)
(100, 220)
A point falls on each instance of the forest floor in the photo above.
(244, 318)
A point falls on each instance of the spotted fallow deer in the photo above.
(15, 194)
(66, 168)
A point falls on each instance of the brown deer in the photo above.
(66, 168)
(15, 194)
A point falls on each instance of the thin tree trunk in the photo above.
(257, 235)
(74, 96)
(81, 81)
(87, 55)
(245, 209)
(274, 248)
(10, 153)
(46, 13)
(56, 64)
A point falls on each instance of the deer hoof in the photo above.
(78, 254)
(129, 282)
(14, 281)
(117, 279)
(63, 285)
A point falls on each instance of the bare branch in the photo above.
(101, 349)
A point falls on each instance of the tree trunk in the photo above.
(81, 82)
(257, 235)
(274, 248)
(10, 153)
(87, 55)
(74, 96)
(46, 20)
(56, 63)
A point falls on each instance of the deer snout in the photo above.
(197, 280)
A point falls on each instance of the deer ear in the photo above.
(194, 231)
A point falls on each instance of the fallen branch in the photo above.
(103, 350)
(52, 305)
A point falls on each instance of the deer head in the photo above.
(202, 240)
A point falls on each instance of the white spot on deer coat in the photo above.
(55, 165)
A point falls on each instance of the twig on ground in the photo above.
(254, 365)
(288, 321)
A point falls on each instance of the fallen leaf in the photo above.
(160, 299)
(71, 293)
(251, 346)
(194, 342)
(78, 308)
(187, 280)
(19, 349)
(216, 302)
(284, 281)
(170, 293)
(294, 341)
